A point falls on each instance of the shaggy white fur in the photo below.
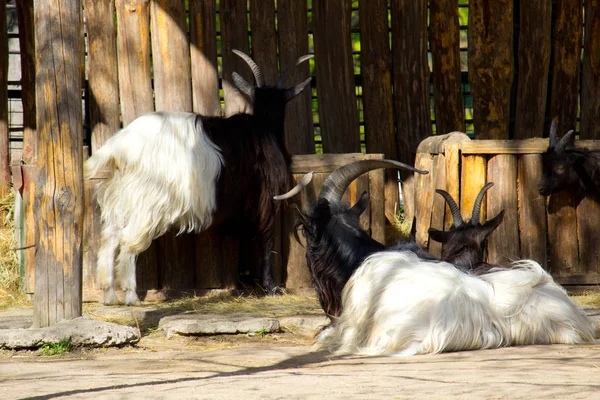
(164, 173)
(399, 304)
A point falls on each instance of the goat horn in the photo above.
(553, 132)
(258, 76)
(478, 201)
(289, 69)
(296, 189)
(296, 90)
(564, 141)
(456, 217)
(336, 183)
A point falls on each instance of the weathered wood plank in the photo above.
(491, 65)
(217, 260)
(304, 163)
(439, 205)
(4, 139)
(234, 35)
(203, 53)
(292, 28)
(27, 49)
(411, 76)
(562, 235)
(92, 228)
(452, 178)
(527, 146)
(473, 178)
(532, 210)
(133, 49)
(566, 57)
(338, 114)
(378, 104)
(264, 38)
(534, 60)
(177, 258)
(59, 191)
(444, 39)
(588, 221)
(503, 244)
(424, 192)
(170, 55)
(590, 81)
(30, 173)
(103, 82)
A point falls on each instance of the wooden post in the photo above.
(4, 150)
(59, 192)
(590, 75)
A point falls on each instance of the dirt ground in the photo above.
(285, 366)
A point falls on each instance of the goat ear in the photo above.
(361, 204)
(490, 226)
(242, 84)
(439, 236)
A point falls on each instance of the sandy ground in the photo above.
(285, 366)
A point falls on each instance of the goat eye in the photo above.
(559, 169)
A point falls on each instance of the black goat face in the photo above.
(558, 171)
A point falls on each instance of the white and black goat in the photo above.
(464, 242)
(396, 302)
(193, 171)
(568, 168)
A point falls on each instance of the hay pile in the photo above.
(10, 278)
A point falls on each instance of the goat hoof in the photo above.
(110, 298)
(131, 298)
(275, 291)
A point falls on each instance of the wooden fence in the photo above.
(560, 232)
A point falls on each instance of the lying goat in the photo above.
(193, 171)
(396, 302)
(464, 242)
(568, 168)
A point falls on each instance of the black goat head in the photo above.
(464, 242)
(559, 163)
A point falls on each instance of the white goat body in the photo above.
(168, 168)
(399, 304)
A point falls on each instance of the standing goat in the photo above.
(464, 242)
(193, 171)
(396, 302)
(568, 168)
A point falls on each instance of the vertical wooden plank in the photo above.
(336, 91)
(444, 39)
(203, 53)
(377, 204)
(292, 28)
(133, 50)
(91, 234)
(30, 173)
(378, 105)
(473, 178)
(4, 139)
(264, 38)
(503, 244)
(177, 258)
(59, 192)
(27, 48)
(234, 35)
(102, 63)
(491, 66)
(588, 221)
(590, 81)
(533, 63)
(532, 209)
(562, 235)
(566, 57)
(439, 205)
(217, 259)
(170, 56)
(452, 156)
(411, 76)
(424, 191)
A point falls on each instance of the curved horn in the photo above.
(296, 189)
(478, 201)
(336, 183)
(564, 141)
(289, 69)
(456, 217)
(260, 81)
(553, 134)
